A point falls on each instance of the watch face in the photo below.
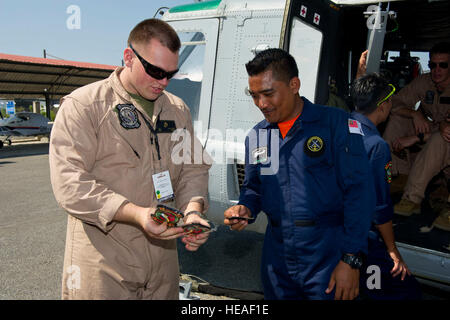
(358, 262)
(354, 261)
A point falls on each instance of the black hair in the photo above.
(441, 47)
(282, 64)
(367, 91)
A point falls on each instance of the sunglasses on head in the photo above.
(388, 96)
(154, 71)
(442, 65)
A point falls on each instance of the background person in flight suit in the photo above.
(110, 149)
(372, 96)
(317, 192)
(408, 127)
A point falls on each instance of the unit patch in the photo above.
(388, 168)
(259, 155)
(314, 146)
(128, 116)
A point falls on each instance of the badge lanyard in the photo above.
(161, 179)
(153, 136)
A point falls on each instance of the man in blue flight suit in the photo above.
(372, 99)
(307, 169)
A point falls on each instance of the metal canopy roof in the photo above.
(28, 77)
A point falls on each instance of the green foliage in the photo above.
(52, 114)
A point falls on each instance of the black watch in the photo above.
(354, 261)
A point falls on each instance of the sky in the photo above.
(98, 36)
(78, 30)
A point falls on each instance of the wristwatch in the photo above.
(354, 261)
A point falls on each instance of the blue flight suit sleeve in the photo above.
(355, 179)
(250, 195)
(380, 161)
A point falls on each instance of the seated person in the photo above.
(372, 95)
(428, 127)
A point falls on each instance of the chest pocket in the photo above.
(128, 143)
(319, 174)
(175, 148)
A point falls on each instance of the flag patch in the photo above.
(354, 126)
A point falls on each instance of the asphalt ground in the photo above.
(33, 230)
(32, 227)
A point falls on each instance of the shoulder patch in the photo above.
(388, 168)
(354, 126)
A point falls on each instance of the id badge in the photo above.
(163, 186)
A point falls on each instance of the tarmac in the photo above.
(33, 231)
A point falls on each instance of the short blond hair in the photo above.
(148, 29)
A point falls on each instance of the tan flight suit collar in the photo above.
(134, 137)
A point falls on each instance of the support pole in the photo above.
(47, 105)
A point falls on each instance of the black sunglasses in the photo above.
(154, 71)
(442, 65)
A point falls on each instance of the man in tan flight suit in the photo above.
(110, 148)
(429, 127)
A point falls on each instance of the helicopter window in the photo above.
(401, 67)
(305, 46)
(187, 83)
(423, 58)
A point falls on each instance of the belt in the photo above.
(305, 223)
(328, 221)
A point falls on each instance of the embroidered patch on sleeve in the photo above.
(354, 126)
(388, 168)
